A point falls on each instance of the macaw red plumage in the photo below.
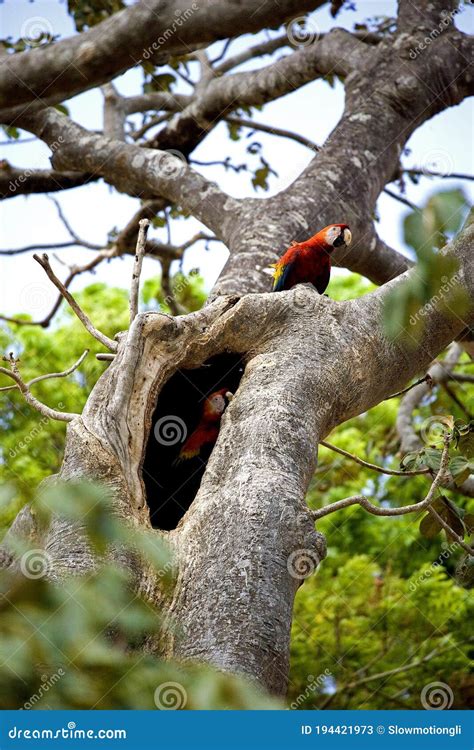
(310, 261)
(207, 430)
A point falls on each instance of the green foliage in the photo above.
(88, 13)
(386, 595)
(435, 285)
(188, 293)
(32, 445)
(78, 644)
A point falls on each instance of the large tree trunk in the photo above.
(248, 540)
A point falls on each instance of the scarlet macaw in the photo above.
(310, 261)
(205, 434)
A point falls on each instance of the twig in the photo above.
(74, 271)
(71, 231)
(14, 374)
(242, 122)
(401, 199)
(136, 134)
(137, 268)
(456, 400)
(86, 322)
(104, 357)
(426, 379)
(49, 375)
(430, 173)
(29, 248)
(378, 511)
(373, 467)
(388, 673)
(450, 531)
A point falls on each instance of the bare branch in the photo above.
(29, 248)
(443, 175)
(450, 531)
(14, 374)
(137, 268)
(376, 510)
(114, 113)
(15, 181)
(373, 467)
(69, 228)
(86, 322)
(242, 122)
(401, 199)
(61, 70)
(74, 271)
(425, 379)
(50, 375)
(257, 50)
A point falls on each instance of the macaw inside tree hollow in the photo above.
(310, 261)
(207, 431)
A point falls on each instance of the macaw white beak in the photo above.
(347, 236)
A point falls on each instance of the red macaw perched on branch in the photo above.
(310, 261)
(205, 434)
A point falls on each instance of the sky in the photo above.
(444, 143)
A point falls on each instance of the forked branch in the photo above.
(46, 411)
(85, 320)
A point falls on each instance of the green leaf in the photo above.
(460, 468)
(429, 526)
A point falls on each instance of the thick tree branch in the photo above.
(146, 30)
(15, 181)
(337, 53)
(134, 169)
